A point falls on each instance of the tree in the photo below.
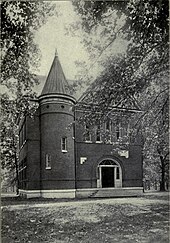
(143, 24)
(20, 59)
(9, 137)
(155, 126)
(137, 72)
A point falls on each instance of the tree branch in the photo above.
(151, 105)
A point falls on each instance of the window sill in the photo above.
(48, 168)
(109, 142)
(88, 141)
(64, 151)
(98, 141)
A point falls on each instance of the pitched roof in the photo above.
(56, 81)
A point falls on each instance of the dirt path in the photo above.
(142, 201)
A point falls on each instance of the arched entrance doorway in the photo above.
(109, 174)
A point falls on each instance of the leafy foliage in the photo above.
(20, 58)
(147, 41)
(20, 20)
(155, 125)
(138, 73)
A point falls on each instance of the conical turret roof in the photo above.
(56, 82)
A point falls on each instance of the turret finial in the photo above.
(56, 53)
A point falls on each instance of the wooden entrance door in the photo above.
(108, 177)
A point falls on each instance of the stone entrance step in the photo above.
(116, 192)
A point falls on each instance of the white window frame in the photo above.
(119, 126)
(48, 162)
(64, 150)
(98, 128)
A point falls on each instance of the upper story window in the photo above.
(119, 130)
(87, 135)
(108, 127)
(98, 134)
(47, 161)
(64, 144)
(127, 130)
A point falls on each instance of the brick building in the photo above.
(60, 160)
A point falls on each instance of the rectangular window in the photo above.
(108, 127)
(47, 161)
(118, 130)
(64, 144)
(98, 133)
(128, 131)
(87, 135)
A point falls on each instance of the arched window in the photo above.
(108, 162)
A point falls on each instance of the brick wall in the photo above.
(55, 124)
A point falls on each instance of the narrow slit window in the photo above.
(108, 125)
(64, 144)
(47, 161)
(98, 133)
(117, 130)
(87, 135)
(117, 173)
(108, 130)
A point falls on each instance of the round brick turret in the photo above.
(57, 132)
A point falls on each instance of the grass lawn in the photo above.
(119, 220)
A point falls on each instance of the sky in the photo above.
(53, 36)
(70, 49)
